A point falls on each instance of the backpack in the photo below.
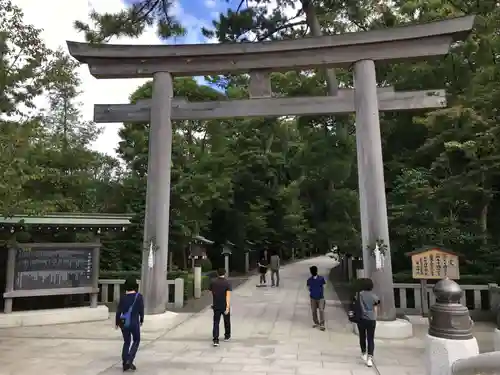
(126, 317)
(355, 312)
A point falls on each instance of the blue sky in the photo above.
(195, 14)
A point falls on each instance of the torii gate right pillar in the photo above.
(373, 207)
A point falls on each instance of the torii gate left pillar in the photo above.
(156, 223)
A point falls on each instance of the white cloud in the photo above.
(192, 24)
(57, 24)
(57, 20)
(210, 4)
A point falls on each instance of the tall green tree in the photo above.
(132, 21)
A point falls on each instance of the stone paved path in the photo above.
(272, 334)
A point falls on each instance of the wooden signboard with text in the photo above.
(434, 264)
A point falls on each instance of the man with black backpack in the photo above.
(129, 318)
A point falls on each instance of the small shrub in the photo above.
(205, 282)
(206, 265)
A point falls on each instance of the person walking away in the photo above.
(129, 318)
(263, 270)
(275, 270)
(316, 284)
(366, 325)
(221, 294)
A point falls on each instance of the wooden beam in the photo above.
(332, 57)
(415, 41)
(452, 26)
(270, 107)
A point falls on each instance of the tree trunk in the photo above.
(313, 23)
(170, 261)
(185, 257)
(483, 221)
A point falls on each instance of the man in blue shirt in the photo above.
(316, 285)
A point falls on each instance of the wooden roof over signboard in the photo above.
(66, 221)
(429, 248)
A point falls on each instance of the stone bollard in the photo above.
(226, 264)
(197, 279)
(360, 273)
(450, 330)
(179, 293)
(247, 262)
(496, 332)
(494, 292)
(226, 251)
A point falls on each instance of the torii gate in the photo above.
(360, 50)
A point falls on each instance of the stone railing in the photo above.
(484, 364)
(175, 291)
(481, 300)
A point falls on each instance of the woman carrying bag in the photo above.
(363, 312)
(129, 318)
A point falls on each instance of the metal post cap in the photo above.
(449, 319)
(447, 291)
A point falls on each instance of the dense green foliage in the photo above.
(284, 184)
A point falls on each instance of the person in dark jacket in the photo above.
(221, 304)
(131, 301)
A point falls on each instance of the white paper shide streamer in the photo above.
(151, 260)
(379, 261)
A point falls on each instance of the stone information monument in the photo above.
(361, 51)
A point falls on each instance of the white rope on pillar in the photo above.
(151, 260)
(379, 263)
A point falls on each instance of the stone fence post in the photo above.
(179, 293)
(494, 294)
(450, 330)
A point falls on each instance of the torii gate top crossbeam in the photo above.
(136, 61)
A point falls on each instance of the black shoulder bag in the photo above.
(355, 313)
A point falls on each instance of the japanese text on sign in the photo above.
(435, 264)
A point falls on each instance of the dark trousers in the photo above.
(263, 277)
(227, 324)
(131, 340)
(366, 330)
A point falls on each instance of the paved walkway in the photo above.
(272, 334)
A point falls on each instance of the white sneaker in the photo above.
(369, 362)
(364, 357)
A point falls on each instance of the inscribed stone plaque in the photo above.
(435, 264)
(49, 268)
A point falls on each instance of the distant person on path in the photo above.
(221, 293)
(275, 269)
(263, 270)
(316, 285)
(129, 318)
(366, 325)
